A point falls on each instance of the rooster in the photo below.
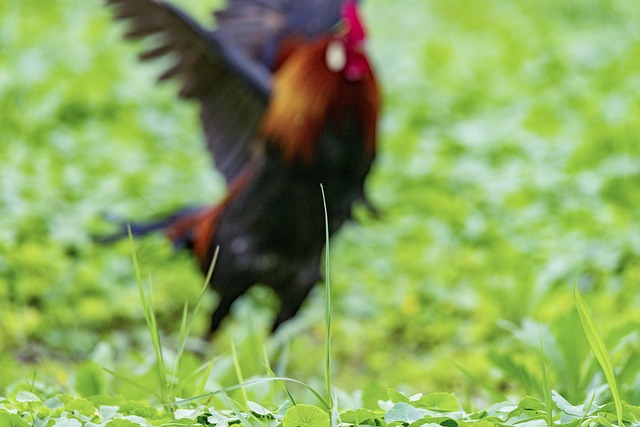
(288, 102)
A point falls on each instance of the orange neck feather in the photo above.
(308, 97)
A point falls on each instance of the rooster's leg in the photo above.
(293, 295)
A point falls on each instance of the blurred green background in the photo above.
(509, 169)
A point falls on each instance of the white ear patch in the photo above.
(336, 56)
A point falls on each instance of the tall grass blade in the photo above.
(238, 369)
(599, 349)
(187, 319)
(545, 385)
(184, 334)
(237, 410)
(283, 385)
(205, 376)
(148, 307)
(177, 370)
(327, 314)
(267, 366)
(183, 323)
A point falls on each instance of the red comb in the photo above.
(355, 29)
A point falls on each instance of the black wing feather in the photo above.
(259, 26)
(233, 90)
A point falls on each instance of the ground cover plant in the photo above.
(508, 172)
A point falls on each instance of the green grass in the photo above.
(28, 407)
(508, 154)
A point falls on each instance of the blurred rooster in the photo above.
(288, 102)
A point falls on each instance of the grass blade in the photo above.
(494, 392)
(545, 384)
(271, 372)
(238, 369)
(599, 349)
(127, 379)
(280, 383)
(249, 383)
(327, 316)
(148, 307)
(187, 319)
(184, 332)
(237, 410)
(205, 376)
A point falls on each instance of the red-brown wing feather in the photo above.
(199, 226)
(232, 89)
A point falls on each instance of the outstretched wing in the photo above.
(258, 27)
(233, 89)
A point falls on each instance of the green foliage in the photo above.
(90, 379)
(508, 154)
(305, 416)
(413, 412)
(12, 420)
